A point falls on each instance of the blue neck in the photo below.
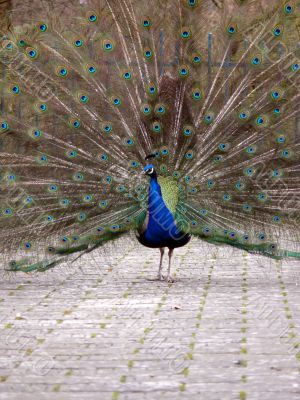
(161, 224)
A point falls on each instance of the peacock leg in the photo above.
(169, 278)
(162, 252)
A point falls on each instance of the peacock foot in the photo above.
(160, 277)
(169, 279)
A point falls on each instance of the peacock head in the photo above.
(149, 170)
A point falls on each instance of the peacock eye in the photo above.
(43, 27)
(78, 43)
(93, 17)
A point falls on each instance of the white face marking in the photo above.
(150, 171)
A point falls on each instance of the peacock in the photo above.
(156, 120)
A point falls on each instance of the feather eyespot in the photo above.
(275, 95)
(78, 43)
(78, 177)
(244, 115)
(53, 188)
(11, 177)
(8, 211)
(148, 54)
(196, 94)
(104, 157)
(41, 107)
(74, 123)
(276, 111)
(22, 43)
(251, 149)
(256, 61)
(249, 172)
(107, 45)
(72, 154)
(189, 155)
(42, 159)
(288, 9)
(37, 133)
(87, 198)
(192, 3)
(92, 17)
(146, 22)
(160, 109)
(116, 101)
(43, 27)
(83, 98)
(196, 58)
(103, 203)
(276, 173)
(262, 196)
(127, 75)
(91, 69)
(65, 202)
(285, 154)
(239, 186)
(15, 89)
(9, 46)
(146, 109)
(247, 207)
(152, 90)
(32, 53)
(62, 71)
(277, 31)
(210, 184)
(186, 33)
(184, 71)
(231, 29)
(281, 139)
(82, 217)
(223, 146)
(209, 118)
(156, 127)
(106, 127)
(4, 126)
(188, 131)
(261, 121)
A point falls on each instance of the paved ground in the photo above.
(101, 329)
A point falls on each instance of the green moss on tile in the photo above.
(182, 387)
(69, 372)
(56, 388)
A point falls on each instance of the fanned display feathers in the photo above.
(88, 92)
